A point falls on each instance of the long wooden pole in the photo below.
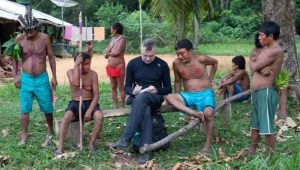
(158, 144)
(80, 83)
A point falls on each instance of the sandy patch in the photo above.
(99, 64)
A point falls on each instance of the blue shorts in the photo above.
(200, 99)
(238, 89)
(35, 86)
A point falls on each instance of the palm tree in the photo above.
(178, 13)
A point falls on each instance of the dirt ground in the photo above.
(99, 63)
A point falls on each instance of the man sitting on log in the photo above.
(147, 81)
(190, 70)
(90, 96)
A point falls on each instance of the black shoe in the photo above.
(143, 158)
(121, 144)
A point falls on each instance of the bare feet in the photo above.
(92, 147)
(24, 137)
(199, 115)
(58, 152)
(205, 152)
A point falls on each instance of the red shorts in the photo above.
(114, 71)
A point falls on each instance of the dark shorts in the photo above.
(74, 107)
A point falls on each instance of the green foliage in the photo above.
(230, 27)
(282, 80)
(109, 14)
(152, 27)
(12, 49)
(183, 148)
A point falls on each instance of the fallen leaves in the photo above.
(236, 156)
(290, 122)
(283, 127)
(47, 141)
(198, 161)
(3, 159)
(65, 155)
(195, 162)
(5, 133)
(220, 140)
(149, 165)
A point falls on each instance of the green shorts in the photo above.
(35, 86)
(264, 103)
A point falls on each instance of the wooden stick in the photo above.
(158, 144)
(80, 84)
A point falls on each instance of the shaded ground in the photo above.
(99, 63)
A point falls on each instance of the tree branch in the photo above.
(156, 145)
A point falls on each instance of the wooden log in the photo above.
(158, 144)
(126, 111)
(72, 135)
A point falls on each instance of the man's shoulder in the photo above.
(43, 36)
(93, 73)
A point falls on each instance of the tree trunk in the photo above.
(196, 32)
(282, 12)
(222, 5)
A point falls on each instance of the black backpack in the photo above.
(159, 132)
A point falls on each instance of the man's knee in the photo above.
(171, 97)
(68, 117)
(208, 113)
(98, 117)
(141, 98)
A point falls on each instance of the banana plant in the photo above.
(282, 80)
(12, 48)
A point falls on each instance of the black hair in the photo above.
(256, 41)
(118, 27)
(239, 61)
(184, 43)
(269, 28)
(85, 55)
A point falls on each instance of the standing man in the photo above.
(33, 81)
(147, 81)
(265, 68)
(190, 70)
(115, 68)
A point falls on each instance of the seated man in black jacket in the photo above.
(147, 80)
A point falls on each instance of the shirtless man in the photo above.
(237, 81)
(90, 98)
(190, 70)
(116, 63)
(265, 68)
(33, 80)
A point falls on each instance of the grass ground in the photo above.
(236, 138)
(34, 156)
